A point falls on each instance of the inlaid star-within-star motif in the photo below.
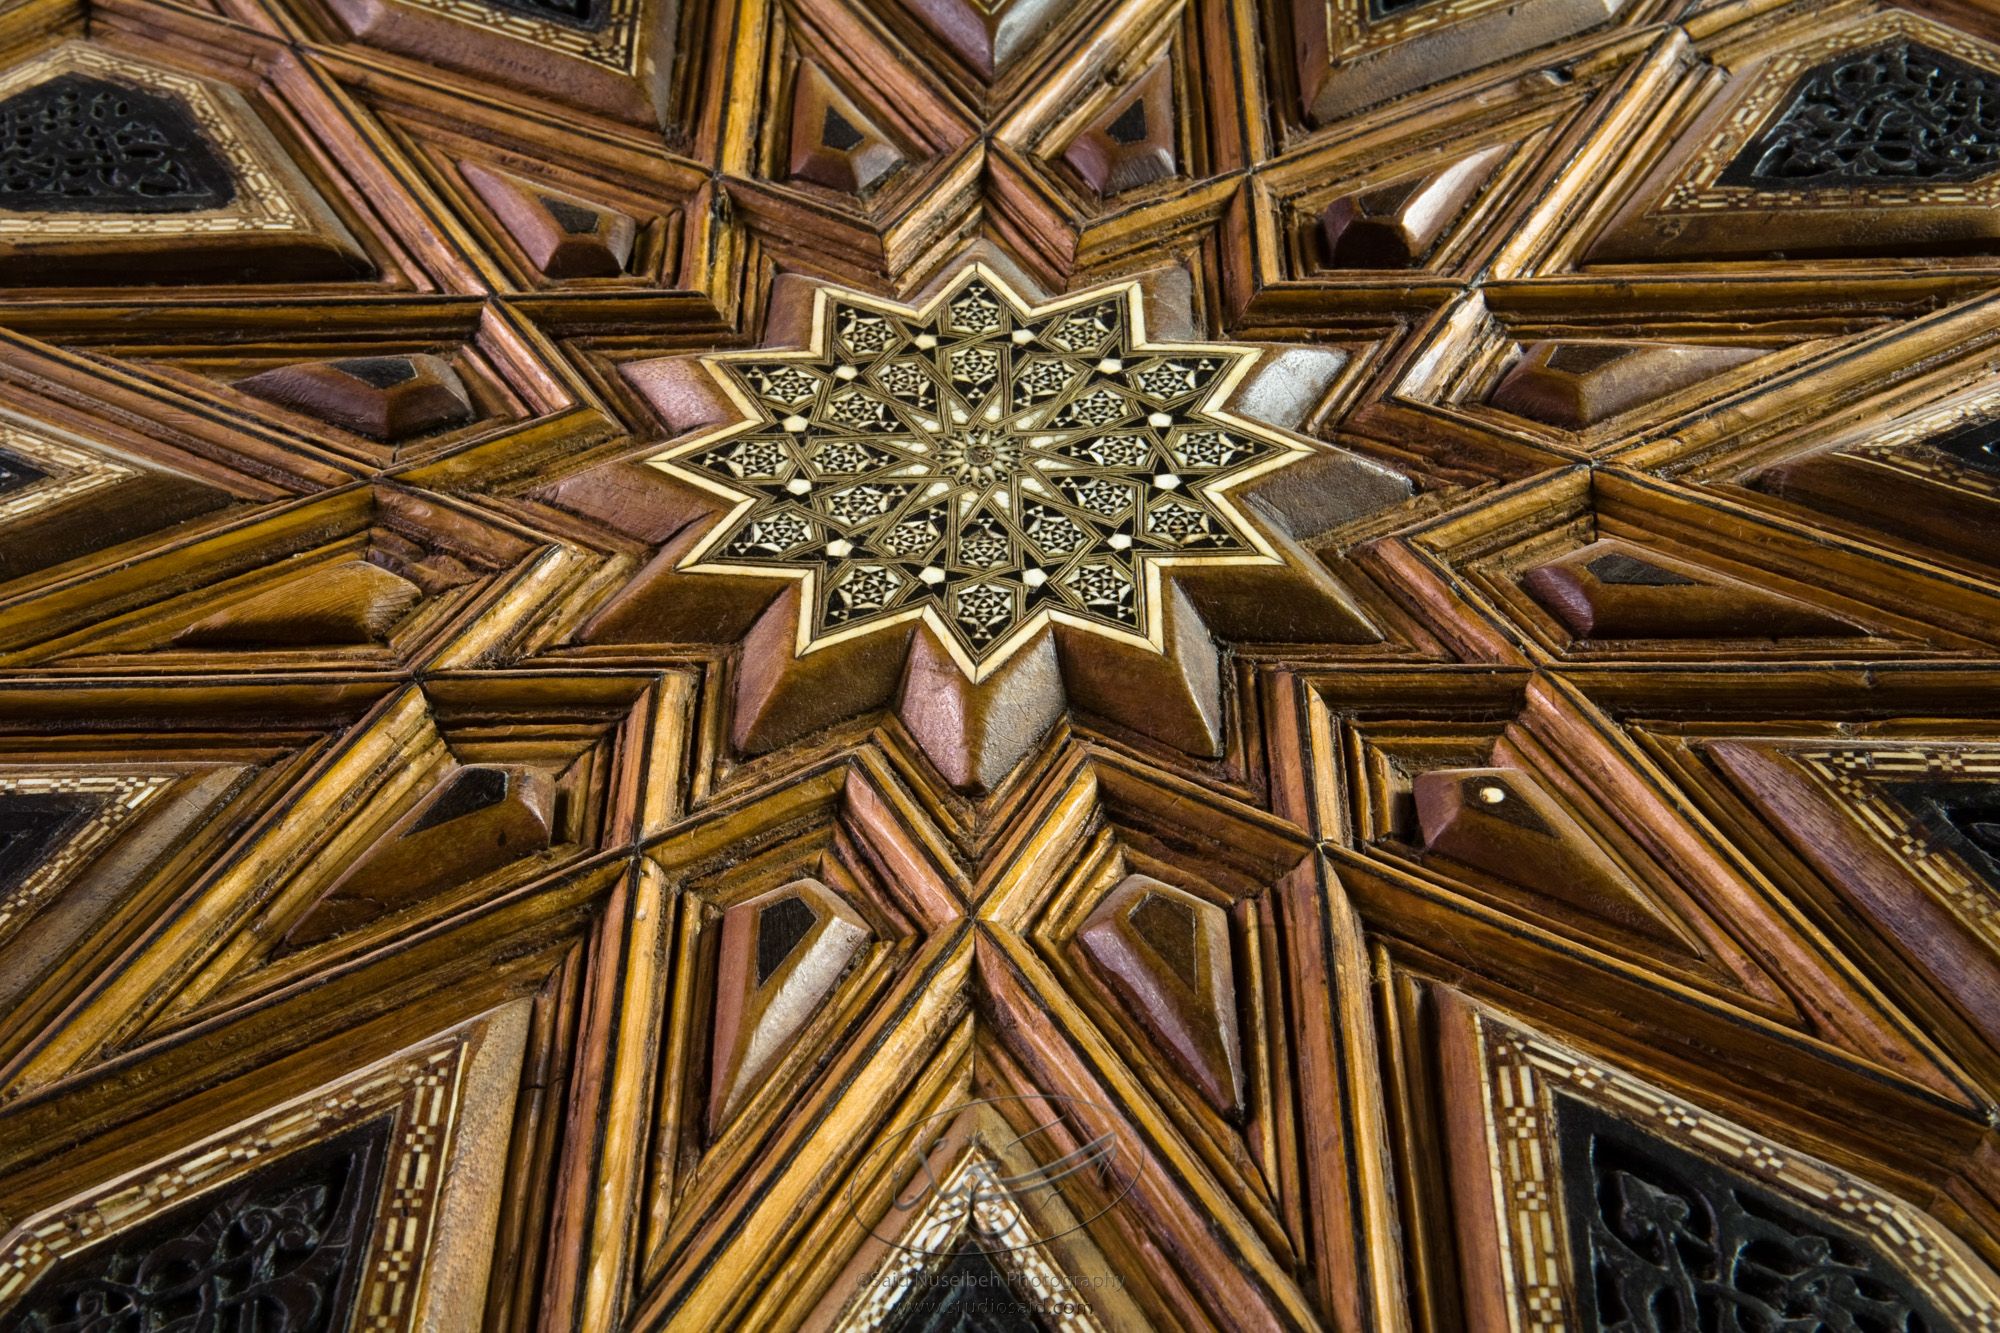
(981, 463)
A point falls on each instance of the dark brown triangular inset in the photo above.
(779, 958)
(1397, 225)
(1617, 590)
(386, 398)
(832, 143)
(1134, 140)
(34, 824)
(563, 235)
(476, 820)
(1165, 956)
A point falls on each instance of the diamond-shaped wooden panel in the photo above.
(975, 664)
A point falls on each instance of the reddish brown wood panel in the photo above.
(987, 664)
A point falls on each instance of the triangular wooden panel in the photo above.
(562, 234)
(1167, 956)
(1566, 859)
(780, 956)
(832, 142)
(1353, 54)
(349, 1197)
(478, 819)
(1907, 831)
(612, 58)
(988, 35)
(52, 478)
(1615, 590)
(151, 155)
(1935, 484)
(426, 809)
(1591, 1165)
(1798, 158)
(343, 605)
(348, 576)
(1135, 139)
(1503, 822)
(1398, 224)
(386, 398)
(1576, 385)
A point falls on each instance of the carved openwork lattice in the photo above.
(281, 1250)
(1901, 112)
(89, 145)
(1669, 1241)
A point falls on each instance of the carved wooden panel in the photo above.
(984, 664)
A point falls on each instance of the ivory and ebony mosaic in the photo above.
(982, 463)
(281, 1252)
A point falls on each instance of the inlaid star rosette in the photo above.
(1025, 497)
(983, 464)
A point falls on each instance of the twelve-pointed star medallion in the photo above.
(981, 463)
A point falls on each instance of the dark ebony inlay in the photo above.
(1663, 1241)
(1616, 569)
(1901, 113)
(33, 825)
(838, 133)
(1173, 932)
(80, 144)
(1959, 817)
(780, 927)
(573, 220)
(378, 372)
(588, 14)
(17, 472)
(471, 789)
(1383, 9)
(1977, 445)
(1130, 127)
(1582, 358)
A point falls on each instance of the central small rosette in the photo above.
(978, 456)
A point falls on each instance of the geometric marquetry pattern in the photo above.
(49, 824)
(1328, 664)
(1669, 1236)
(984, 464)
(286, 1244)
(267, 1226)
(994, 1274)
